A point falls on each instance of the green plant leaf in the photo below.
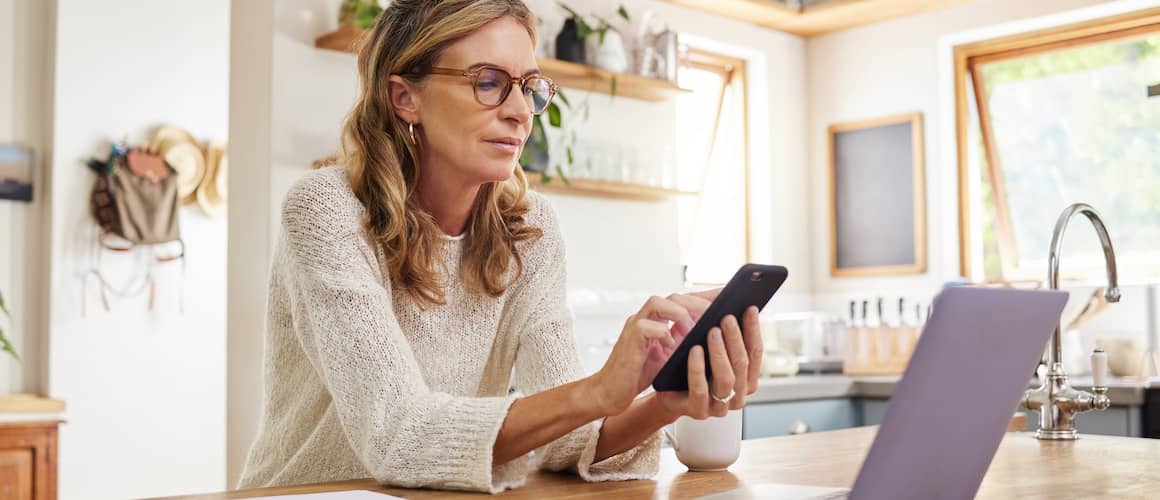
(600, 39)
(3, 307)
(526, 156)
(612, 90)
(568, 152)
(539, 137)
(623, 13)
(366, 14)
(560, 172)
(6, 346)
(560, 94)
(545, 177)
(571, 12)
(554, 115)
(582, 29)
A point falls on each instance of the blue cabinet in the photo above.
(793, 417)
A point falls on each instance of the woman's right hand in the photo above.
(647, 336)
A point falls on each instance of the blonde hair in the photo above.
(384, 167)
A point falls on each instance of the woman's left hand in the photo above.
(735, 352)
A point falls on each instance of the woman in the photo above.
(415, 285)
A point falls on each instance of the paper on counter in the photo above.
(334, 495)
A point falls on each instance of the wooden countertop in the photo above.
(1093, 467)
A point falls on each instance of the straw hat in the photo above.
(211, 193)
(180, 150)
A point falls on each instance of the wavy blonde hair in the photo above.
(384, 166)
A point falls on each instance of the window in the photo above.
(1059, 120)
(712, 159)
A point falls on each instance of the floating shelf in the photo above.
(820, 19)
(603, 189)
(566, 74)
(591, 79)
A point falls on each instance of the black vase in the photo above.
(569, 45)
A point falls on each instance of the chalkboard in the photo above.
(877, 202)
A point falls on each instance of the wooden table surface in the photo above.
(1024, 468)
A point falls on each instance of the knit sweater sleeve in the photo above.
(547, 357)
(404, 433)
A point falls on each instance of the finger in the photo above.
(735, 347)
(694, 305)
(752, 335)
(665, 310)
(709, 295)
(698, 386)
(723, 378)
(653, 330)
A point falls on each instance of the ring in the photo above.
(725, 399)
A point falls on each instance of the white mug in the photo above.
(707, 445)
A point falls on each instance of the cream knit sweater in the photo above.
(360, 382)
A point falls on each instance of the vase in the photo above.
(610, 54)
(569, 45)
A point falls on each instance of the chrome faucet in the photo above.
(1056, 401)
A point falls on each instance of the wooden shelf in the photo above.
(603, 189)
(28, 403)
(345, 39)
(824, 18)
(566, 74)
(591, 79)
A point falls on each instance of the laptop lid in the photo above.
(949, 412)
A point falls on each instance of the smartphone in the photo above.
(752, 285)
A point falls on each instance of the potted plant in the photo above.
(355, 18)
(5, 345)
(360, 13)
(570, 46)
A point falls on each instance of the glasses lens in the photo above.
(491, 86)
(538, 92)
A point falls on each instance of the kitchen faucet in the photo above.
(1056, 401)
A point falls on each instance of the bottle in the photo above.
(569, 45)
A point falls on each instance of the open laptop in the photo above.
(950, 411)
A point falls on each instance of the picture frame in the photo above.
(877, 197)
(17, 172)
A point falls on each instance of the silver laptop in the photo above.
(950, 411)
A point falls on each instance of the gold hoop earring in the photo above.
(411, 130)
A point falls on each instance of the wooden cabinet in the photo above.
(28, 460)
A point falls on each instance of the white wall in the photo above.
(618, 251)
(25, 52)
(145, 390)
(884, 69)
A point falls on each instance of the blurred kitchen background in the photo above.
(842, 139)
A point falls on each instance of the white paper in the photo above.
(783, 491)
(335, 495)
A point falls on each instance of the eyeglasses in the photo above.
(492, 86)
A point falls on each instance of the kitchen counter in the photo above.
(1093, 467)
(803, 387)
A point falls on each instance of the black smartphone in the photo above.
(752, 285)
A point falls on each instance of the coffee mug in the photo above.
(707, 445)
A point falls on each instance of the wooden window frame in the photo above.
(969, 56)
(734, 72)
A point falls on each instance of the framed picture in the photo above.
(877, 197)
(16, 172)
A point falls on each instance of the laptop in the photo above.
(950, 411)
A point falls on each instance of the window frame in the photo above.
(734, 71)
(967, 58)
